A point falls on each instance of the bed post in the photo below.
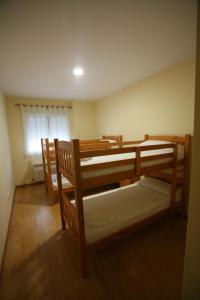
(120, 141)
(174, 174)
(137, 162)
(79, 205)
(44, 164)
(49, 180)
(146, 136)
(59, 181)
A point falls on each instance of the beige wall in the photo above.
(82, 121)
(6, 182)
(191, 281)
(160, 104)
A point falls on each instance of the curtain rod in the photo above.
(43, 105)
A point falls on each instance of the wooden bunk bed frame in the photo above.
(49, 160)
(68, 156)
(117, 139)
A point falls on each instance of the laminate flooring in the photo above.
(42, 262)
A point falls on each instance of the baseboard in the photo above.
(7, 235)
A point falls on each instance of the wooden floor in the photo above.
(41, 262)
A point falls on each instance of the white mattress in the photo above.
(124, 156)
(65, 182)
(114, 210)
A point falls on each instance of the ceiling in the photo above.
(117, 42)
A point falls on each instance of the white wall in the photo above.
(191, 280)
(6, 177)
(160, 104)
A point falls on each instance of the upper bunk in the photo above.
(101, 164)
(99, 167)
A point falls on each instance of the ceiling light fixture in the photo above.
(78, 71)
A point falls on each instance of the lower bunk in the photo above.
(108, 213)
(114, 214)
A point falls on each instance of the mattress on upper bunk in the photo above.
(111, 211)
(132, 155)
(65, 182)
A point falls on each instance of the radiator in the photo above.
(38, 174)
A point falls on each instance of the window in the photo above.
(44, 122)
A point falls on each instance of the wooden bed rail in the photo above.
(104, 152)
(64, 158)
(169, 138)
(70, 216)
(90, 145)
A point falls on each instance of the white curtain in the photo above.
(59, 126)
(43, 122)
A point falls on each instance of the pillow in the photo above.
(156, 185)
(86, 158)
(153, 142)
(107, 140)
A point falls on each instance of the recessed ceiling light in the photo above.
(78, 71)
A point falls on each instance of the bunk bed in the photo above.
(49, 165)
(90, 220)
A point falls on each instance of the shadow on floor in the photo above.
(145, 265)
